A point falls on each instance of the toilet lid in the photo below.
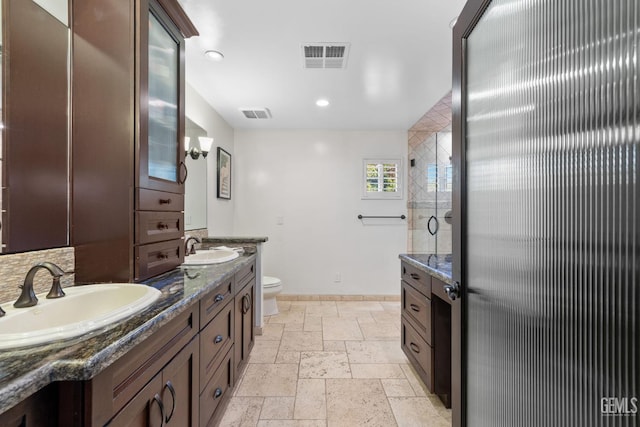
(268, 282)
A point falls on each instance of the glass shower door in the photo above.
(436, 213)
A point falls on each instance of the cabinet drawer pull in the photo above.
(169, 386)
(183, 166)
(163, 226)
(218, 298)
(414, 347)
(217, 393)
(157, 399)
(246, 303)
(415, 276)
(162, 255)
(164, 201)
(218, 339)
(415, 308)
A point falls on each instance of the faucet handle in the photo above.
(2, 312)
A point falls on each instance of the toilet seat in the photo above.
(270, 282)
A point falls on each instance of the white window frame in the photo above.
(382, 195)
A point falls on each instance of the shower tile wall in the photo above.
(430, 145)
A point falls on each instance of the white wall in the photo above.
(219, 212)
(310, 181)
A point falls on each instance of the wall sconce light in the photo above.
(194, 152)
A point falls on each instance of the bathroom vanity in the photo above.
(426, 320)
(173, 364)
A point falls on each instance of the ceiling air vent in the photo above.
(325, 55)
(256, 113)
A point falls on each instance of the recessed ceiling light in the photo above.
(322, 103)
(214, 55)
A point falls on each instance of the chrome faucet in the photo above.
(191, 251)
(28, 297)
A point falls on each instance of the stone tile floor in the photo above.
(332, 364)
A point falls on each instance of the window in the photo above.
(382, 179)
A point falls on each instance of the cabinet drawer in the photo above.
(211, 304)
(158, 226)
(245, 275)
(156, 258)
(417, 278)
(215, 341)
(216, 391)
(437, 287)
(153, 200)
(417, 307)
(419, 352)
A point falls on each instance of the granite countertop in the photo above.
(234, 240)
(438, 266)
(25, 371)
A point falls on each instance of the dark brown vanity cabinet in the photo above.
(426, 329)
(158, 377)
(128, 131)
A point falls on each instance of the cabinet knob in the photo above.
(453, 291)
(218, 339)
(415, 308)
(163, 256)
(218, 298)
(414, 347)
(217, 393)
(163, 226)
(415, 276)
(165, 201)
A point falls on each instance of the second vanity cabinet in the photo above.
(426, 329)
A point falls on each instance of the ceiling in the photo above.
(398, 66)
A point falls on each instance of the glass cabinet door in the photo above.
(163, 102)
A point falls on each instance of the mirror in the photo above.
(195, 192)
(35, 118)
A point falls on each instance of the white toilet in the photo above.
(271, 286)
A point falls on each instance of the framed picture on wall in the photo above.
(224, 174)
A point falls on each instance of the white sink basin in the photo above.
(83, 309)
(210, 256)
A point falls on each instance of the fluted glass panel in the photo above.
(552, 252)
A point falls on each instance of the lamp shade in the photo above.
(205, 143)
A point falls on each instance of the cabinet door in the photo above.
(244, 321)
(39, 410)
(180, 388)
(170, 398)
(146, 409)
(161, 133)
